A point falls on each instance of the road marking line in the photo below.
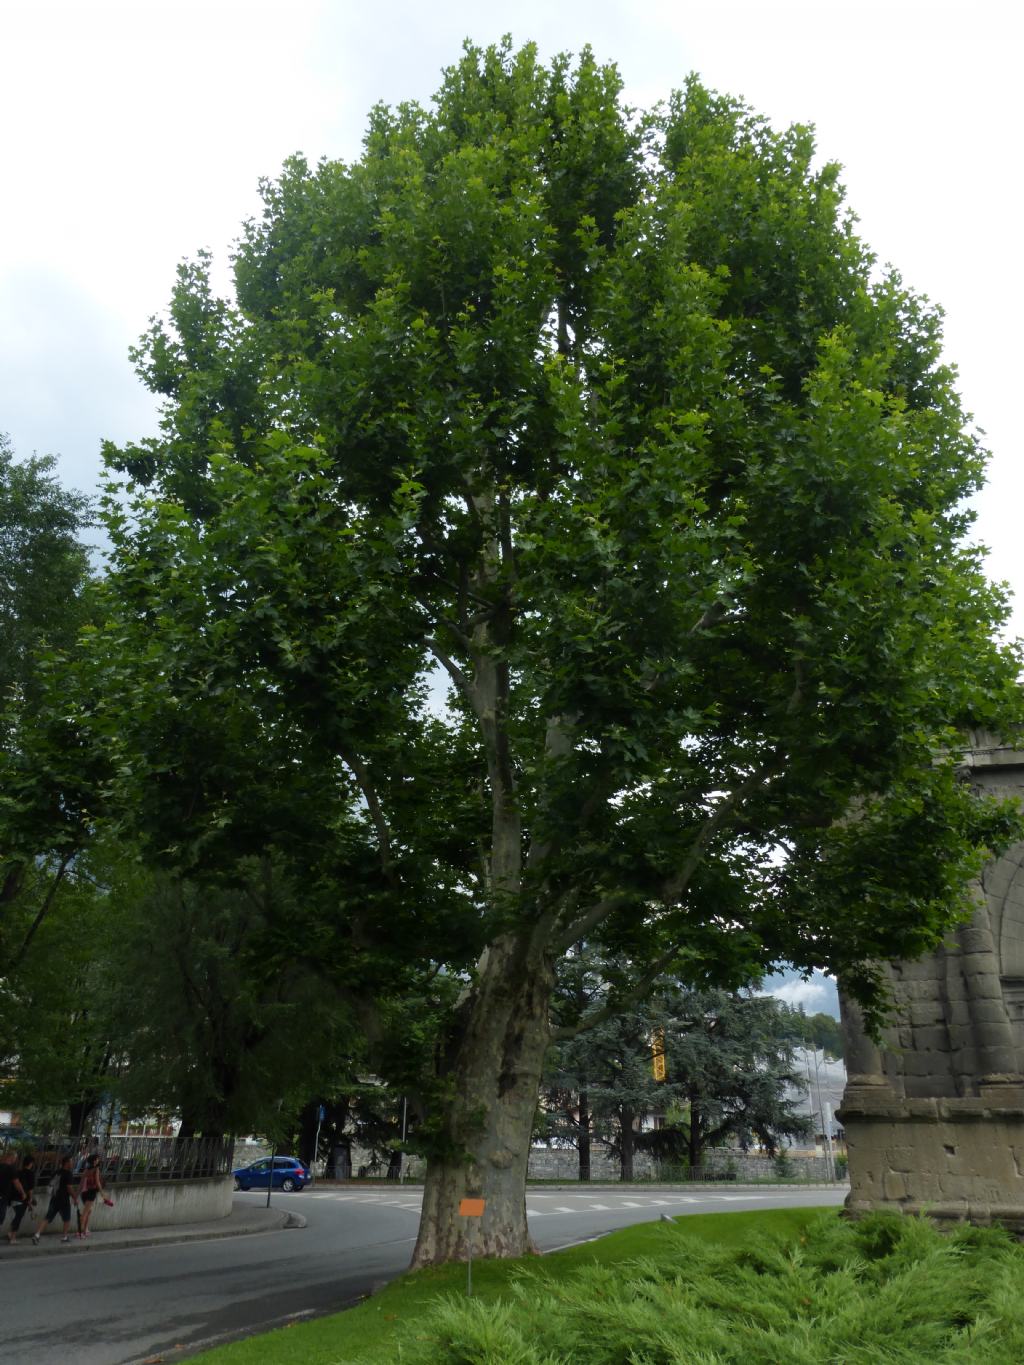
(627, 1204)
(602, 1207)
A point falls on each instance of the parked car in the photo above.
(289, 1174)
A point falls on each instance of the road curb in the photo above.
(278, 1221)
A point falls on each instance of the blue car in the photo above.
(289, 1174)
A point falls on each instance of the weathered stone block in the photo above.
(986, 986)
(925, 1013)
(901, 1159)
(988, 1011)
(976, 938)
(932, 1038)
(918, 1064)
(894, 1186)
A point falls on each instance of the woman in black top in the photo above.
(60, 1202)
(27, 1178)
(90, 1185)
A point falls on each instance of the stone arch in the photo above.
(934, 1113)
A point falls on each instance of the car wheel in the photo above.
(288, 1184)
(237, 1184)
(243, 1187)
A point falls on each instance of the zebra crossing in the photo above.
(537, 1205)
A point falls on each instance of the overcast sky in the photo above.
(134, 133)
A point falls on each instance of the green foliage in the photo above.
(608, 417)
(886, 1289)
(43, 602)
(729, 1067)
(820, 1030)
(782, 1165)
(171, 998)
(43, 567)
(227, 1030)
(57, 1046)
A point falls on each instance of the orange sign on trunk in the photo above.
(471, 1208)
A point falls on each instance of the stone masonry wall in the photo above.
(934, 1112)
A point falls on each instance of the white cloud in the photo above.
(805, 993)
(135, 134)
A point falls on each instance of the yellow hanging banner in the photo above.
(658, 1054)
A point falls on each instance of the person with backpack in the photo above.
(89, 1186)
(27, 1180)
(62, 1192)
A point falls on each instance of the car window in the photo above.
(260, 1166)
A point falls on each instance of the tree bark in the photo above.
(696, 1145)
(627, 1143)
(79, 1114)
(308, 1123)
(584, 1134)
(494, 1081)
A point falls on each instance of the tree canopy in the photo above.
(44, 599)
(609, 420)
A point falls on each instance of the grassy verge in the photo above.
(781, 1287)
(371, 1331)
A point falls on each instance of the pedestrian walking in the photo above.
(10, 1186)
(62, 1193)
(90, 1186)
(27, 1179)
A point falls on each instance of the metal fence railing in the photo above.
(124, 1159)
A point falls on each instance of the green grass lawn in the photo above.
(773, 1287)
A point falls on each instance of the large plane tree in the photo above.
(608, 421)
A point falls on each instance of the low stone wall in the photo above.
(562, 1164)
(553, 1163)
(161, 1203)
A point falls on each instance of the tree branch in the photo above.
(589, 920)
(373, 805)
(453, 670)
(711, 617)
(615, 1006)
(673, 888)
(19, 956)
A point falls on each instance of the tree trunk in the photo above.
(627, 1143)
(584, 1134)
(308, 1124)
(696, 1145)
(79, 1114)
(494, 1079)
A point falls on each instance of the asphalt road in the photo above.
(119, 1307)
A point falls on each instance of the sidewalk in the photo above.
(242, 1221)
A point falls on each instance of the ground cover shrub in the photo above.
(888, 1289)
